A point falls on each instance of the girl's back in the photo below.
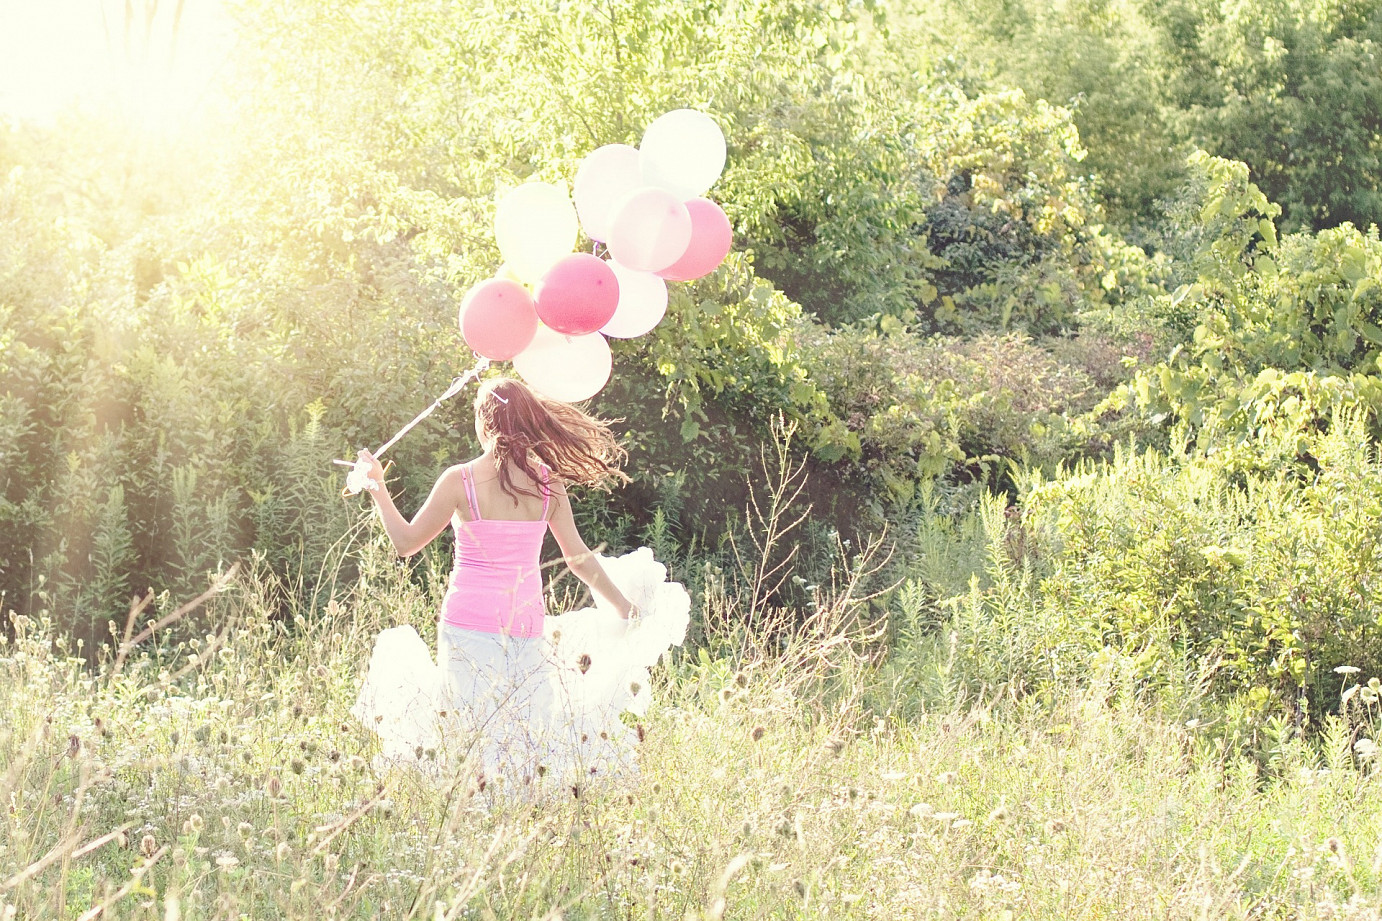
(492, 503)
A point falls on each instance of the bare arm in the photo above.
(580, 558)
(408, 537)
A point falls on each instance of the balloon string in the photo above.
(456, 386)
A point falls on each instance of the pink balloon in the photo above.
(605, 176)
(498, 319)
(577, 295)
(650, 230)
(711, 236)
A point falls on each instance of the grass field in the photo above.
(222, 777)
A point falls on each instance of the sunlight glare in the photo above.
(151, 62)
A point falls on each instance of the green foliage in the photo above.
(1260, 582)
(1287, 330)
(1291, 87)
(911, 408)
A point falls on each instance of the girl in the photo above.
(520, 695)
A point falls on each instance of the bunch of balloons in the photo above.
(549, 309)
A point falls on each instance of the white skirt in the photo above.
(527, 714)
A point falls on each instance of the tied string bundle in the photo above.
(359, 479)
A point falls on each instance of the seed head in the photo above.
(758, 733)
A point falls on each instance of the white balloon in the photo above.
(566, 368)
(642, 303)
(606, 175)
(535, 225)
(650, 230)
(682, 152)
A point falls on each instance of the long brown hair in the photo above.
(528, 428)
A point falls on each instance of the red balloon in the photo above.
(578, 295)
(711, 236)
(498, 319)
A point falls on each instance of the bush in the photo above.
(1262, 581)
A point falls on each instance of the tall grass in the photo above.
(221, 777)
(796, 765)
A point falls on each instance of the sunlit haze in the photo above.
(150, 61)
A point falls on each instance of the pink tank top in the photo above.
(496, 585)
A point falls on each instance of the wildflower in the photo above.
(273, 786)
(148, 845)
(678, 868)
(834, 745)
(945, 778)
(357, 764)
(175, 737)
(999, 815)
(635, 687)
(799, 888)
(282, 851)
(758, 733)
(246, 830)
(726, 695)
(1055, 826)
(298, 767)
(583, 663)
(196, 822)
(741, 679)
(1346, 670)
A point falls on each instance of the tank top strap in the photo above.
(546, 491)
(468, 477)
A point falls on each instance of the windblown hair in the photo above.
(529, 429)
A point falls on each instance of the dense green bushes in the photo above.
(1179, 571)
